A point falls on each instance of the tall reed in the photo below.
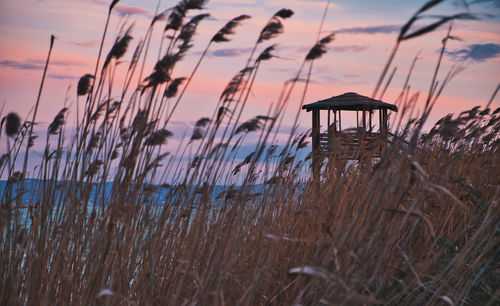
(109, 217)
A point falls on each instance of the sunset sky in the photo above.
(366, 31)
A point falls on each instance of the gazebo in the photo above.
(352, 143)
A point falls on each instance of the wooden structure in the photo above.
(354, 142)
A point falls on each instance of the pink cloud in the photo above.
(345, 48)
(125, 10)
(85, 44)
(101, 2)
(234, 1)
(351, 76)
(378, 29)
(37, 64)
(231, 52)
(303, 3)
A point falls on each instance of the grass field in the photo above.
(418, 226)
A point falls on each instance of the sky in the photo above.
(365, 30)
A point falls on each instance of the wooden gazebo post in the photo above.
(315, 129)
(316, 161)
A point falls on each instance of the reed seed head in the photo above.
(252, 124)
(139, 120)
(172, 89)
(187, 33)
(178, 13)
(228, 29)
(189, 28)
(235, 84)
(248, 159)
(195, 4)
(115, 153)
(274, 27)
(220, 112)
(13, 124)
(197, 134)
(58, 122)
(158, 137)
(94, 141)
(271, 30)
(158, 17)
(84, 84)
(284, 13)
(195, 162)
(120, 47)
(175, 20)
(266, 54)
(31, 140)
(94, 167)
(16, 177)
(319, 48)
(202, 122)
(98, 112)
(161, 73)
(112, 5)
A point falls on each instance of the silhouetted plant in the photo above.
(112, 218)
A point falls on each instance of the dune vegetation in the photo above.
(103, 224)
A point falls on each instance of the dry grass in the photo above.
(418, 226)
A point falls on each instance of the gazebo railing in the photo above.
(351, 143)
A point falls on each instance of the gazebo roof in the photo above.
(350, 101)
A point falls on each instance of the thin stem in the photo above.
(187, 83)
(25, 166)
(386, 68)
